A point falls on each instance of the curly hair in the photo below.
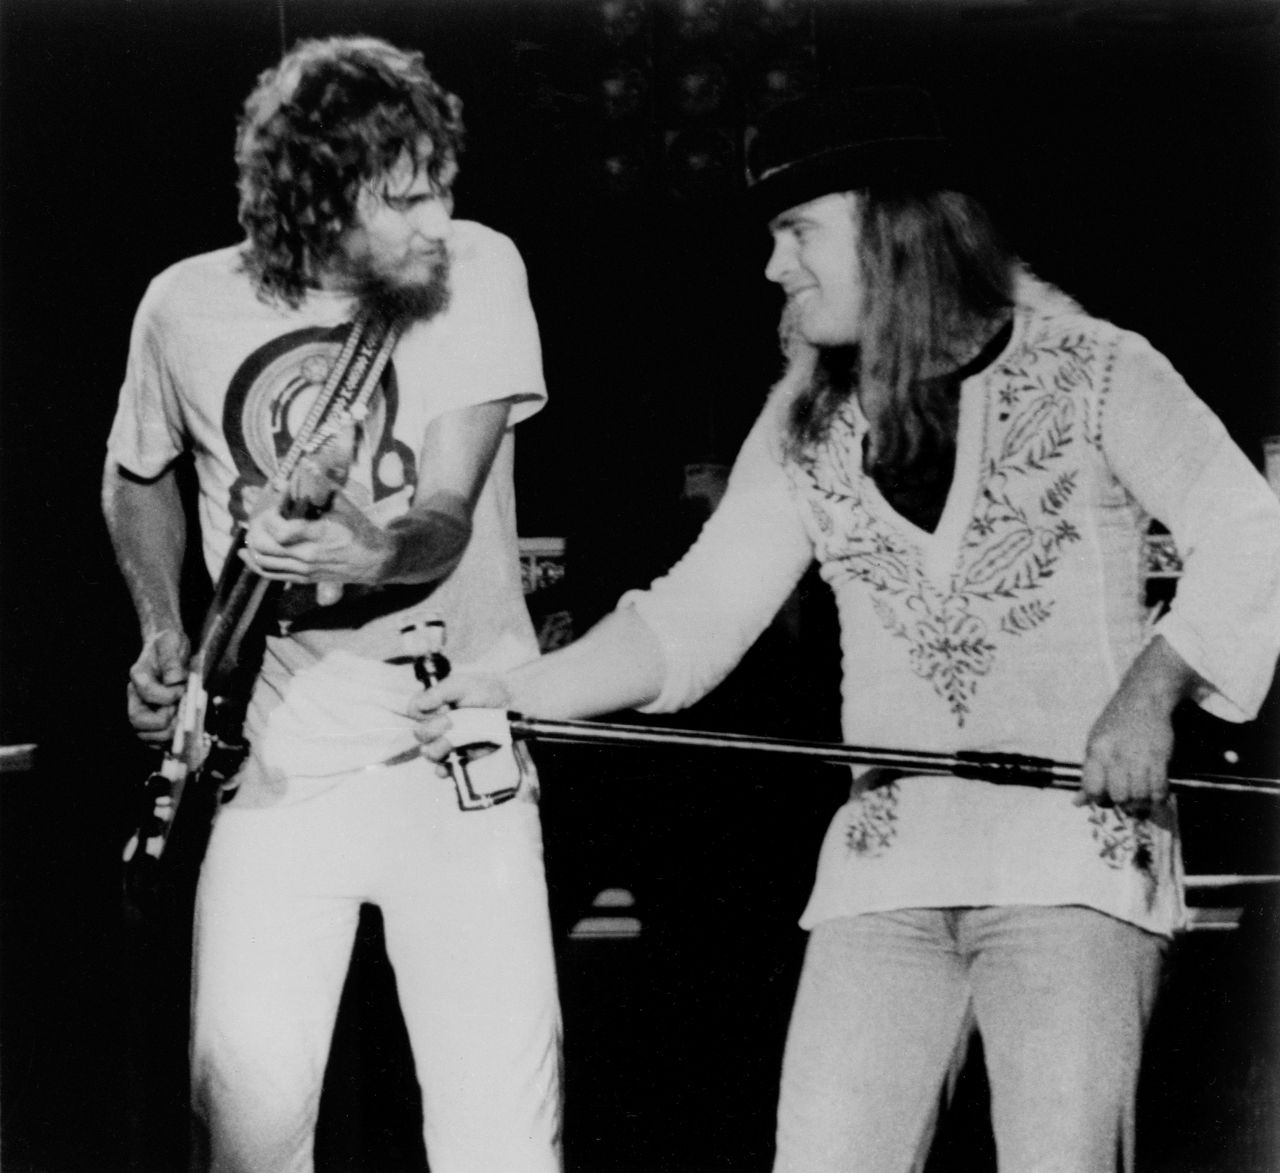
(936, 278)
(332, 116)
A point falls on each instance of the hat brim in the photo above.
(917, 165)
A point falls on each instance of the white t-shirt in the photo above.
(214, 368)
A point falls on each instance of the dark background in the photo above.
(1132, 149)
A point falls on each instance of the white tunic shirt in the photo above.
(1009, 627)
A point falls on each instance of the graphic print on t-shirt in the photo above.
(267, 401)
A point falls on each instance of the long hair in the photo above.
(331, 117)
(936, 278)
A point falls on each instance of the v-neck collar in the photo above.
(938, 546)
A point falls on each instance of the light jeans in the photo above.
(464, 906)
(887, 1002)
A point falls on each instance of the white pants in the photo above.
(883, 1015)
(464, 906)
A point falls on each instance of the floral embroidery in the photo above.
(1016, 534)
(1125, 841)
(873, 822)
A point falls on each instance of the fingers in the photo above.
(273, 532)
(151, 707)
(285, 552)
(463, 691)
(1133, 782)
(277, 546)
(154, 688)
(431, 711)
(275, 568)
(152, 723)
(294, 550)
(432, 733)
(432, 701)
(157, 681)
(159, 673)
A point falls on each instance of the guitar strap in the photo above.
(349, 387)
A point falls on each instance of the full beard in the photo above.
(382, 297)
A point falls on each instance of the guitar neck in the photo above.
(237, 601)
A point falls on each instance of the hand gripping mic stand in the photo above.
(423, 641)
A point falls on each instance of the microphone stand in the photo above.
(1006, 768)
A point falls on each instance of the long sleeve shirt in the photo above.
(1009, 626)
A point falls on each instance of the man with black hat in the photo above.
(973, 460)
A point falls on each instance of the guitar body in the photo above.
(180, 798)
(162, 859)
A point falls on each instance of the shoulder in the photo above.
(482, 252)
(192, 280)
(487, 278)
(1053, 317)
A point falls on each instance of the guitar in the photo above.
(180, 797)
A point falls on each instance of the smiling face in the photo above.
(816, 261)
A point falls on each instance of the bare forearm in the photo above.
(427, 542)
(148, 530)
(1127, 755)
(618, 664)
(1160, 677)
(345, 546)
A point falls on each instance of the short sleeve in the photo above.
(487, 346)
(147, 432)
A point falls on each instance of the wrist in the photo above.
(154, 628)
(1161, 677)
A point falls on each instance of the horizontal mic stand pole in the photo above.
(1006, 768)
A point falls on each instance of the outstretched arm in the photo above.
(618, 664)
(147, 524)
(423, 545)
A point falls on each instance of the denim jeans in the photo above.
(887, 1001)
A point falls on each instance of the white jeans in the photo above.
(883, 1015)
(464, 906)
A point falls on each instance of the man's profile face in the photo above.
(816, 261)
(398, 243)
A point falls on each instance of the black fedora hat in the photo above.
(847, 139)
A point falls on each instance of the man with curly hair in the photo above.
(973, 461)
(347, 152)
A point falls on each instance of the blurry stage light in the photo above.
(624, 92)
(774, 17)
(781, 80)
(622, 20)
(623, 170)
(697, 19)
(701, 164)
(699, 90)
